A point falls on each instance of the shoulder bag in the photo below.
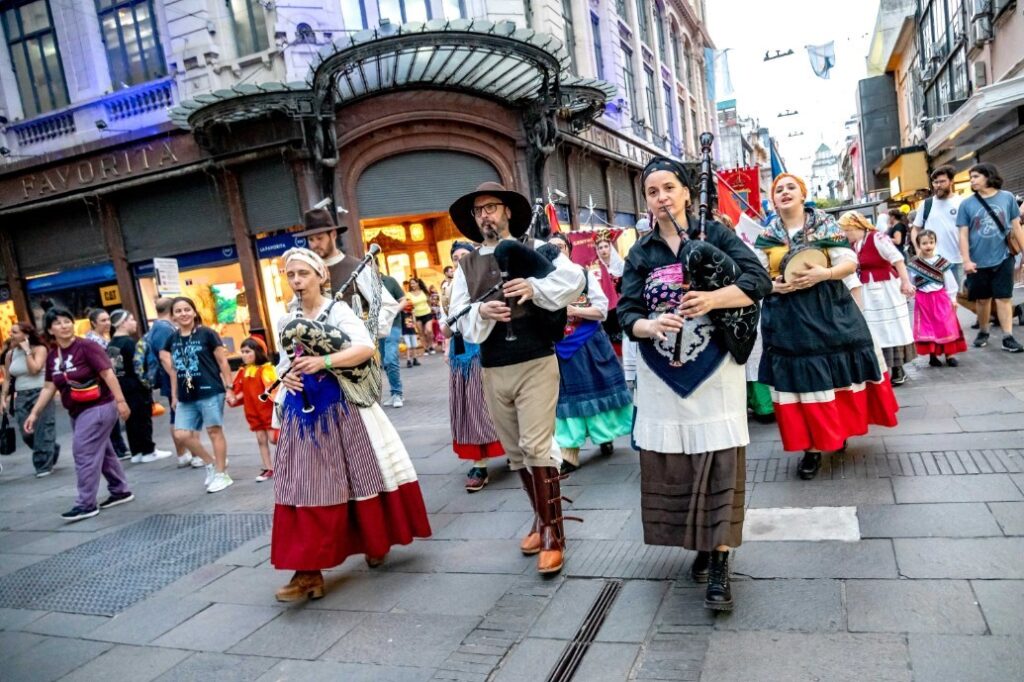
(1011, 239)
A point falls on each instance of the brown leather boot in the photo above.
(303, 584)
(531, 543)
(548, 493)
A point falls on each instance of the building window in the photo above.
(454, 9)
(570, 34)
(652, 105)
(250, 22)
(629, 83)
(353, 13)
(130, 35)
(671, 119)
(659, 26)
(682, 124)
(686, 66)
(693, 130)
(595, 25)
(35, 56)
(403, 11)
(642, 24)
(677, 62)
(620, 9)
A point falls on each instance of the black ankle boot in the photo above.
(809, 465)
(699, 569)
(719, 595)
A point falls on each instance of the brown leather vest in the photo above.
(340, 272)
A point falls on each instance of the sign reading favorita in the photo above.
(103, 169)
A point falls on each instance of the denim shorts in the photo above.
(194, 415)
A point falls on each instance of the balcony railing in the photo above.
(139, 101)
(43, 129)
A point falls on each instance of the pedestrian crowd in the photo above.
(675, 345)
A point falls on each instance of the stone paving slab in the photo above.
(203, 667)
(606, 662)
(783, 605)
(927, 520)
(299, 634)
(140, 664)
(51, 659)
(980, 488)
(937, 606)
(1002, 602)
(1010, 516)
(564, 614)
(864, 559)
(66, 624)
(530, 660)
(790, 657)
(402, 639)
(849, 493)
(148, 619)
(218, 628)
(952, 658)
(961, 558)
(633, 613)
(330, 671)
(453, 594)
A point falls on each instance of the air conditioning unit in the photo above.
(981, 8)
(980, 75)
(981, 30)
(999, 5)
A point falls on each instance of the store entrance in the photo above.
(417, 245)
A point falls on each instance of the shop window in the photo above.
(399, 266)
(250, 23)
(35, 56)
(421, 260)
(416, 232)
(354, 14)
(129, 33)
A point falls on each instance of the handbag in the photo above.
(81, 392)
(1011, 240)
(8, 439)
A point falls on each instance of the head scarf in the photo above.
(856, 220)
(663, 163)
(461, 245)
(798, 180)
(308, 257)
(820, 230)
(643, 226)
(118, 317)
(259, 342)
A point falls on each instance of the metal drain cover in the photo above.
(107, 575)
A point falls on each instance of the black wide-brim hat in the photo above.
(461, 211)
(319, 220)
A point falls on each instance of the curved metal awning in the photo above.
(581, 100)
(472, 55)
(245, 102)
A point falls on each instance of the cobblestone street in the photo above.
(924, 580)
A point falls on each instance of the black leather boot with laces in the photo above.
(719, 595)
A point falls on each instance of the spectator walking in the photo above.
(987, 220)
(390, 343)
(197, 362)
(417, 295)
(24, 365)
(254, 378)
(899, 230)
(939, 215)
(156, 338)
(409, 335)
(99, 332)
(80, 371)
(139, 425)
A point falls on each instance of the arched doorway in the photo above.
(403, 207)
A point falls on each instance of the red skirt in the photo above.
(315, 538)
(476, 452)
(808, 425)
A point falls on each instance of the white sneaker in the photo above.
(211, 473)
(397, 401)
(155, 455)
(184, 460)
(219, 482)
(136, 458)
(197, 463)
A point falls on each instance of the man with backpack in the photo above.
(939, 216)
(153, 372)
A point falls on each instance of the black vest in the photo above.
(339, 273)
(533, 336)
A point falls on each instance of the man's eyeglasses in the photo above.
(486, 209)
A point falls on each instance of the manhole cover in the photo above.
(107, 575)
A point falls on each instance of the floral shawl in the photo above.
(820, 230)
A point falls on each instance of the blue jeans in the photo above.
(195, 414)
(389, 358)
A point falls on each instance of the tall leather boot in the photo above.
(719, 594)
(548, 496)
(531, 543)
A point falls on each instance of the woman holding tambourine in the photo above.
(691, 416)
(828, 379)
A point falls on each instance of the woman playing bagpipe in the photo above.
(473, 434)
(593, 400)
(691, 418)
(828, 378)
(343, 482)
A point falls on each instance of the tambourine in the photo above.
(798, 260)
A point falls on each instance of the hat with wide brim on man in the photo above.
(319, 220)
(462, 210)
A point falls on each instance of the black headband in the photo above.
(663, 163)
(461, 245)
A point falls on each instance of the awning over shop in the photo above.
(908, 172)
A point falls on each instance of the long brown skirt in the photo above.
(693, 501)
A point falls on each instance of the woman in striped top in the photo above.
(343, 483)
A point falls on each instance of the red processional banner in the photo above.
(739, 189)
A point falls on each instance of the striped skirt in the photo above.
(473, 434)
(693, 501)
(343, 485)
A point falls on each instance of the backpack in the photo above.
(146, 362)
(927, 210)
(116, 360)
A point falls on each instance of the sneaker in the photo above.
(981, 340)
(136, 458)
(196, 463)
(184, 460)
(397, 401)
(155, 455)
(476, 479)
(952, 362)
(79, 513)
(408, 363)
(1011, 345)
(211, 473)
(124, 455)
(934, 361)
(44, 473)
(116, 499)
(265, 475)
(219, 482)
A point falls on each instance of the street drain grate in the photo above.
(575, 650)
(107, 575)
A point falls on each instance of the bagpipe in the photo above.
(361, 383)
(707, 268)
(518, 260)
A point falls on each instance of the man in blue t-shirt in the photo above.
(985, 220)
(158, 334)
